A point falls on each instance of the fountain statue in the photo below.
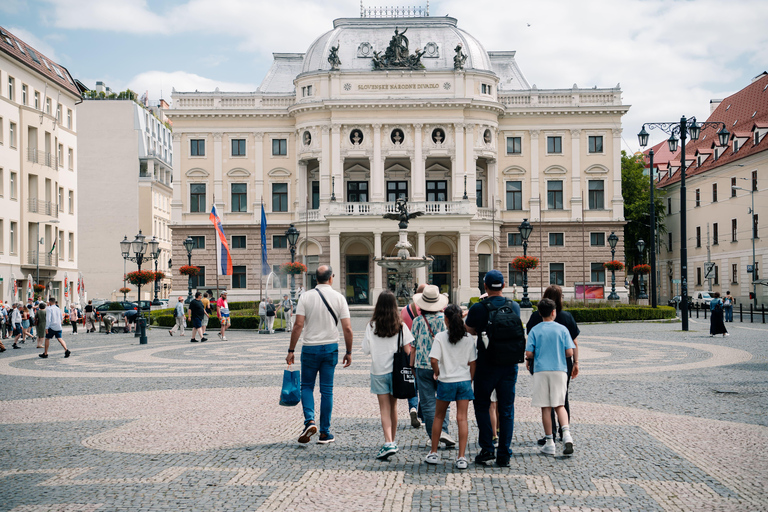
(403, 263)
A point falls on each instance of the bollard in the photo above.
(762, 308)
(697, 311)
(750, 313)
(741, 312)
(705, 311)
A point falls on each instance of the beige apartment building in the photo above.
(383, 108)
(38, 170)
(125, 185)
(721, 228)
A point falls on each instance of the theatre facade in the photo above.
(383, 108)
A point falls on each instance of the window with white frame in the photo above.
(554, 145)
(514, 145)
(557, 274)
(595, 143)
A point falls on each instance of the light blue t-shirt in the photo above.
(548, 341)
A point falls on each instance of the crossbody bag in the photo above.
(330, 310)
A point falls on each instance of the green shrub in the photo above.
(624, 313)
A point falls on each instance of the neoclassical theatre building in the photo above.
(383, 108)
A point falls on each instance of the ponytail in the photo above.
(455, 323)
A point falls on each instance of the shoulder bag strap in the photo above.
(429, 327)
(335, 318)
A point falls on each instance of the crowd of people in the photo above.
(22, 321)
(455, 355)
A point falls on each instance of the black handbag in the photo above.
(403, 380)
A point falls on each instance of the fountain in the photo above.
(403, 263)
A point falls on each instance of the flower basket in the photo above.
(615, 265)
(124, 290)
(642, 269)
(159, 275)
(39, 288)
(293, 268)
(140, 277)
(525, 263)
(189, 270)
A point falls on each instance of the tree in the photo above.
(636, 190)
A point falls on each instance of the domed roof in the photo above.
(358, 38)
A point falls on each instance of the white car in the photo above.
(701, 299)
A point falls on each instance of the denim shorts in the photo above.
(452, 391)
(381, 384)
(52, 334)
(197, 322)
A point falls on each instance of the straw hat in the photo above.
(431, 299)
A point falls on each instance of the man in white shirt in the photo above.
(53, 321)
(16, 318)
(322, 308)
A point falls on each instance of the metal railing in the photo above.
(46, 259)
(41, 157)
(35, 205)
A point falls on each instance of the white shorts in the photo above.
(549, 389)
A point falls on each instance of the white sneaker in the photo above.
(567, 442)
(432, 458)
(447, 440)
(548, 448)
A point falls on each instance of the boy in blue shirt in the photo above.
(549, 344)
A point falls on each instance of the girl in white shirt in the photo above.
(381, 342)
(453, 358)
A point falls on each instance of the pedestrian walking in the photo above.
(222, 312)
(409, 314)
(263, 315)
(316, 325)
(196, 314)
(270, 308)
(453, 357)
(425, 326)
(90, 317)
(25, 323)
(383, 335)
(207, 306)
(500, 346)
(41, 327)
(716, 324)
(74, 317)
(4, 320)
(53, 324)
(728, 303)
(287, 306)
(178, 315)
(549, 344)
(17, 317)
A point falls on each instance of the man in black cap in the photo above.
(494, 370)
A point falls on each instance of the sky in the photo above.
(671, 57)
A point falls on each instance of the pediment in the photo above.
(238, 173)
(597, 169)
(357, 168)
(197, 173)
(396, 168)
(513, 170)
(555, 169)
(436, 167)
(279, 173)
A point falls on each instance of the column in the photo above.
(618, 200)
(218, 177)
(418, 178)
(258, 189)
(458, 163)
(465, 282)
(377, 289)
(493, 183)
(377, 186)
(177, 202)
(324, 160)
(535, 200)
(421, 250)
(576, 200)
(471, 165)
(301, 186)
(336, 260)
(336, 167)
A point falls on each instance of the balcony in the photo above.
(41, 157)
(49, 208)
(46, 260)
(379, 209)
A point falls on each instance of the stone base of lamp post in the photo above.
(525, 314)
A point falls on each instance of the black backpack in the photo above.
(506, 337)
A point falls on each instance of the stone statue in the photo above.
(333, 58)
(397, 55)
(459, 59)
(403, 216)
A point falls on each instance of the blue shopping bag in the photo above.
(290, 395)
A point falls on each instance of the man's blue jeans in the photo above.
(503, 380)
(320, 359)
(427, 387)
(728, 313)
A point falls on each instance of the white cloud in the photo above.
(157, 82)
(130, 16)
(35, 42)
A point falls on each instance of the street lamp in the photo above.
(683, 128)
(154, 250)
(41, 241)
(139, 249)
(754, 260)
(292, 234)
(612, 241)
(525, 231)
(641, 250)
(189, 244)
(694, 128)
(125, 250)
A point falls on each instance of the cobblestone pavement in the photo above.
(662, 420)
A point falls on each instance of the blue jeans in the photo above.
(413, 403)
(503, 380)
(427, 387)
(728, 313)
(320, 359)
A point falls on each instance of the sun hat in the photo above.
(494, 280)
(431, 299)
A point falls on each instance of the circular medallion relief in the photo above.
(438, 136)
(356, 137)
(397, 136)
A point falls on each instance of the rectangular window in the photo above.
(69, 118)
(11, 85)
(239, 197)
(48, 105)
(733, 184)
(716, 276)
(698, 236)
(71, 247)
(60, 246)
(37, 100)
(556, 239)
(596, 195)
(479, 193)
(71, 159)
(238, 276)
(13, 185)
(58, 113)
(396, 190)
(698, 198)
(198, 241)
(238, 147)
(24, 92)
(437, 191)
(698, 276)
(515, 276)
(238, 242)
(357, 191)
(669, 242)
(714, 192)
(514, 195)
(279, 242)
(715, 233)
(1, 130)
(734, 229)
(60, 155)
(315, 195)
(554, 145)
(514, 145)
(669, 206)
(2, 236)
(514, 240)
(597, 273)
(754, 226)
(754, 181)
(557, 273)
(279, 147)
(197, 147)
(279, 197)
(597, 239)
(555, 195)
(12, 240)
(734, 273)
(71, 202)
(12, 134)
(595, 143)
(198, 281)
(197, 198)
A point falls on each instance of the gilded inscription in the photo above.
(392, 87)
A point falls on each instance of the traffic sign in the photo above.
(676, 281)
(709, 270)
(749, 269)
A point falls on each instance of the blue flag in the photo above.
(265, 269)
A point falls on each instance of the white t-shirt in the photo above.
(453, 360)
(382, 350)
(319, 327)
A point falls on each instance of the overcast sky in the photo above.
(670, 56)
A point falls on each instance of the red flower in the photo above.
(189, 270)
(641, 269)
(140, 277)
(614, 265)
(293, 268)
(524, 263)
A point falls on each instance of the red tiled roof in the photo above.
(14, 49)
(736, 111)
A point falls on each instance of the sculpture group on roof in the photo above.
(397, 54)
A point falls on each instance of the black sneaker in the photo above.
(502, 463)
(67, 353)
(203, 339)
(43, 355)
(16, 346)
(484, 456)
(310, 429)
(542, 441)
(193, 340)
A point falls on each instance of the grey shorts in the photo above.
(381, 384)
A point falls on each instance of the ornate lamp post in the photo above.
(525, 231)
(612, 241)
(125, 249)
(139, 248)
(292, 234)
(154, 250)
(189, 244)
(641, 250)
(683, 128)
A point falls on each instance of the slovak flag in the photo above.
(223, 256)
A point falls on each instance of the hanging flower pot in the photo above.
(615, 265)
(189, 270)
(39, 288)
(642, 269)
(124, 290)
(525, 263)
(293, 268)
(159, 275)
(140, 277)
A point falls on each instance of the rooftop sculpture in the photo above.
(397, 55)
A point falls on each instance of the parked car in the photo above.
(117, 306)
(677, 299)
(701, 299)
(145, 304)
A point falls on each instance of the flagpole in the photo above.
(218, 263)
